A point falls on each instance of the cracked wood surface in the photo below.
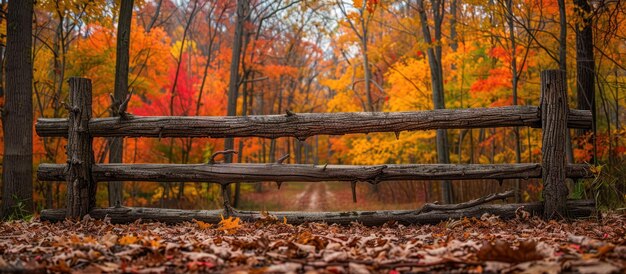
(304, 125)
(575, 209)
(231, 173)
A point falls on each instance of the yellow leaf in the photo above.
(202, 225)
(128, 240)
(155, 244)
(596, 169)
(229, 225)
(284, 220)
(89, 240)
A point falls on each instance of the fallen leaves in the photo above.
(202, 225)
(474, 245)
(229, 225)
(503, 252)
(108, 240)
(307, 238)
(128, 240)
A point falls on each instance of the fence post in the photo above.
(81, 189)
(554, 111)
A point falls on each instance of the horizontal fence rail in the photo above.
(304, 125)
(232, 173)
(578, 208)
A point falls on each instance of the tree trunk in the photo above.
(514, 80)
(17, 114)
(436, 76)
(233, 85)
(454, 43)
(367, 72)
(116, 151)
(562, 36)
(155, 17)
(244, 112)
(569, 154)
(585, 65)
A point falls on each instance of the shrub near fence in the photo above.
(82, 174)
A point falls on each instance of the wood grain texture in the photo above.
(554, 110)
(304, 125)
(576, 209)
(81, 190)
(16, 110)
(231, 173)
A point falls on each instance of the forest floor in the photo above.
(488, 244)
(315, 197)
(327, 196)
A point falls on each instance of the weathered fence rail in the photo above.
(82, 175)
(233, 173)
(579, 208)
(304, 125)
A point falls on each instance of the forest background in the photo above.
(248, 57)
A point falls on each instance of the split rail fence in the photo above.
(82, 174)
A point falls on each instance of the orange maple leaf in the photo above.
(127, 240)
(202, 225)
(229, 225)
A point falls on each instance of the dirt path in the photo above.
(315, 197)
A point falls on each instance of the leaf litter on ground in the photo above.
(474, 245)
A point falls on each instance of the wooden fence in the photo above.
(82, 174)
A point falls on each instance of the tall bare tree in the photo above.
(116, 151)
(436, 76)
(233, 84)
(514, 83)
(361, 30)
(585, 64)
(17, 114)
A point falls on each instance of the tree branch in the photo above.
(485, 199)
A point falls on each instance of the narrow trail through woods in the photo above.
(315, 197)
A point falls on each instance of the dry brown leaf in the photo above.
(358, 268)
(109, 240)
(108, 266)
(89, 270)
(306, 248)
(160, 269)
(284, 268)
(502, 252)
(538, 267)
(335, 256)
(195, 256)
(593, 267)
